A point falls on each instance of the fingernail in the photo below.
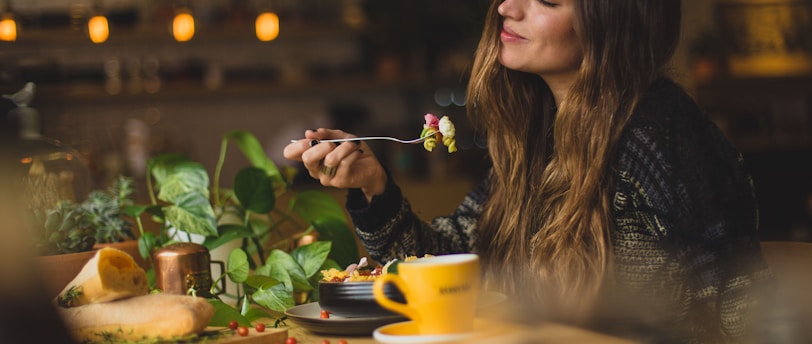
(313, 142)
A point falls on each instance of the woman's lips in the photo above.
(508, 35)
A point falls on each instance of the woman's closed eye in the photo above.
(548, 3)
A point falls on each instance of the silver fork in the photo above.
(366, 138)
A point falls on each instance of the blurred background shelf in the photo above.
(374, 68)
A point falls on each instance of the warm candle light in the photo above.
(98, 29)
(267, 26)
(183, 26)
(8, 29)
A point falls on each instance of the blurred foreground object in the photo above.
(791, 309)
(23, 300)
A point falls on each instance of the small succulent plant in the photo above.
(64, 229)
(104, 211)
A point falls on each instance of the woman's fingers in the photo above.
(293, 151)
(313, 157)
(352, 170)
(336, 162)
(333, 164)
(340, 152)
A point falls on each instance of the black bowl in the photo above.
(355, 299)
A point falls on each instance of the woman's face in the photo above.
(538, 37)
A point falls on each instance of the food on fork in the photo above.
(443, 130)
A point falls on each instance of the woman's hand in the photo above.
(345, 165)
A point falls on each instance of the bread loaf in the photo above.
(153, 317)
(110, 275)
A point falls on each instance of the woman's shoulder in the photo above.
(668, 125)
(668, 116)
(665, 104)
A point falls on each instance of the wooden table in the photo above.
(304, 336)
(548, 333)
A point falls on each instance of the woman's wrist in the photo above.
(377, 187)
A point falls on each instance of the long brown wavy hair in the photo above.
(544, 232)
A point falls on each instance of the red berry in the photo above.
(260, 327)
(242, 331)
(325, 341)
(290, 340)
(324, 314)
(342, 341)
(233, 324)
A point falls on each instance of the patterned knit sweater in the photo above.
(686, 255)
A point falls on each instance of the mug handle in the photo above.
(386, 302)
(222, 265)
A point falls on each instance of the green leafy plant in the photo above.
(264, 211)
(104, 210)
(63, 229)
(72, 227)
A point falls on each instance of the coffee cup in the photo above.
(441, 292)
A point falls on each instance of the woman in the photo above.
(610, 192)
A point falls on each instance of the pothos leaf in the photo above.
(254, 189)
(227, 234)
(245, 305)
(311, 256)
(252, 149)
(223, 314)
(134, 210)
(192, 213)
(312, 205)
(186, 177)
(282, 264)
(146, 243)
(261, 281)
(255, 313)
(237, 266)
(277, 298)
(163, 165)
(344, 248)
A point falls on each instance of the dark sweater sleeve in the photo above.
(389, 229)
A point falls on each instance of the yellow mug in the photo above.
(441, 292)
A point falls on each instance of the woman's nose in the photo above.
(508, 8)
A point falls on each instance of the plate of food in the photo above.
(347, 306)
(348, 293)
(310, 317)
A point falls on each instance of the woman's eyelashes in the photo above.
(547, 3)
